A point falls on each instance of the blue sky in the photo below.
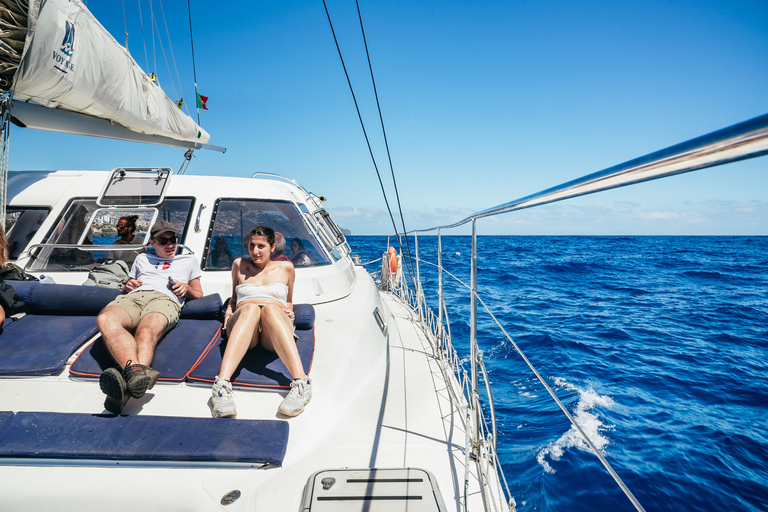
(483, 102)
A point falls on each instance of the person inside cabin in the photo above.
(126, 229)
(134, 322)
(299, 256)
(278, 254)
(221, 257)
(261, 312)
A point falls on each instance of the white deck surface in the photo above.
(378, 402)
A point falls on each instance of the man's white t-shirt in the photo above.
(154, 272)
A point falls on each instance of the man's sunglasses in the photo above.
(164, 240)
(122, 226)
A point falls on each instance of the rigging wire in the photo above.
(386, 142)
(365, 134)
(165, 57)
(198, 159)
(173, 55)
(143, 37)
(194, 70)
(125, 26)
(152, 31)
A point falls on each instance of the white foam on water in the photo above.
(588, 421)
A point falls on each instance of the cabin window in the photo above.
(234, 218)
(21, 224)
(87, 226)
(329, 228)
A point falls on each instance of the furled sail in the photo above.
(70, 62)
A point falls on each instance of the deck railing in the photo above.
(738, 142)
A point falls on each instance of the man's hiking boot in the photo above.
(113, 385)
(116, 406)
(139, 378)
(298, 397)
(223, 399)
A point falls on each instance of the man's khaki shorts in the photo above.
(138, 304)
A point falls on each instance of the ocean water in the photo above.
(658, 346)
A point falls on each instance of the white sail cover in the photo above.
(72, 62)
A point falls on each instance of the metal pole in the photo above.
(473, 342)
(417, 287)
(440, 289)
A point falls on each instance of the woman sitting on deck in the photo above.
(261, 311)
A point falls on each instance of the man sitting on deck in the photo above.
(149, 307)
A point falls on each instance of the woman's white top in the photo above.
(273, 291)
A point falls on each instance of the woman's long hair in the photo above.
(3, 247)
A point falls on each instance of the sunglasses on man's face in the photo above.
(122, 226)
(165, 240)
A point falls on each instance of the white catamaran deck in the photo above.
(376, 404)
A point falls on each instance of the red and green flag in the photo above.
(201, 101)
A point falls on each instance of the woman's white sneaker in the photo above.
(223, 399)
(298, 397)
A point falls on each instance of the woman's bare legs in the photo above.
(277, 336)
(242, 335)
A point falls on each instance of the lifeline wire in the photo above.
(365, 134)
(605, 463)
(386, 142)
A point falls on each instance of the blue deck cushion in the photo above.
(41, 344)
(72, 436)
(5, 416)
(304, 316)
(208, 307)
(259, 367)
(175, 355)
(65, 299)
(60, 318)
(23, 288)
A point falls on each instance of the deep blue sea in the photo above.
(658, 347)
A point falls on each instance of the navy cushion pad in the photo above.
(41, 344)
(208, 307)
(304, 316)
(66, 299)
(23, 288)
(175, 355)
(259, 367)
(49, 435)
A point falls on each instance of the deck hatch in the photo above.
(135, 187)
(372, 490)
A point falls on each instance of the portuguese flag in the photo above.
(201, 101)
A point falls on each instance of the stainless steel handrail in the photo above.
(741, 141)
(738, 142)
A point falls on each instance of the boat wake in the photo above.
(589, 422)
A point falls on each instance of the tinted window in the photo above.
(234, 218)
(21, 224)
(79, 226)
